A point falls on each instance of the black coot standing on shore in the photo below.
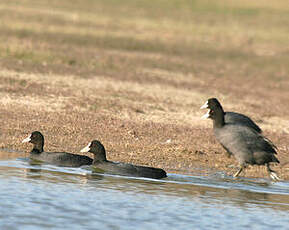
(244, 142)
(100, 163)
(233, 117)
(56, 158)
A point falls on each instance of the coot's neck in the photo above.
(99, 157)
(219, 120)
(38, 148)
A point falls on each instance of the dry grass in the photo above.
(135, 74)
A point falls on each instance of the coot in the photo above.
(246, 144)
(56, 158)
(232, 117)
(101, 164)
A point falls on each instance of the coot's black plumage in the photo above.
(232, 117)
(246, 144)
(56, 158)
(100, 163)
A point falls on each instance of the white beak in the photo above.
(86, 148)
(205, 106)
(27, 139)
(207, 115)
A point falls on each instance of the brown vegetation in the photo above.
(134, 77)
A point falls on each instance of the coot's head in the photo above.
(34, 138)
(215, 110)
(97, 149)
(37, 139)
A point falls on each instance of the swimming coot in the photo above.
(245, 143)
(100, 163)
(56, 158)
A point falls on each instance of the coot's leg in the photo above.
(239, 171)
(272, 173)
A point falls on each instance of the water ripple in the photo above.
(51, 197)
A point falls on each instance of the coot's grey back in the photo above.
(247, 145)
(126, 169)
(232, 117)
(62, 159)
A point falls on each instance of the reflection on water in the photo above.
(6, 154)
(46, 196)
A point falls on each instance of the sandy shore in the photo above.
(135, 80)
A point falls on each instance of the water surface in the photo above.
(51, 197)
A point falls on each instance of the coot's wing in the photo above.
(243, 142)
(232, 117)
(139, 171)
(67, 159)
(150, 172)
